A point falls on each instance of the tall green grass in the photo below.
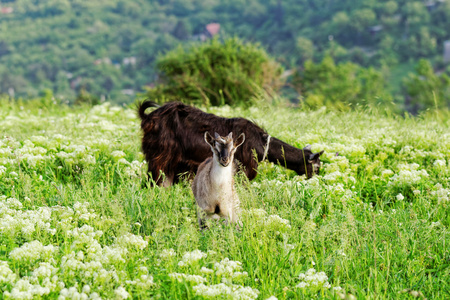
(375, 221)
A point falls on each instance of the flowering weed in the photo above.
(77, 221)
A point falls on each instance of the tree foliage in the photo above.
(216, 73)
(425, 89)
(340, 85)
(88, 43)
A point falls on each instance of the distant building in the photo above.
(129, 92)
(213, 29)
(375, 29)
(129, 61)
(75, 83)
(210, 31)
(6, 10)
(447, 51)
(433, 4)
(68, 74)
(11, 92)
(104, 60)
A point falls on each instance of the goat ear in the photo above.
(239, 140)
(209, 139)
(307, 147)
(230, 135)
(216, 135)
(315, 155)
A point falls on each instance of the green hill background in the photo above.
(108, 48)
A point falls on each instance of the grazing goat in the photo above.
(173, 143)
(213, 186)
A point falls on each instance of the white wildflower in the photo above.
(205, 270)
(408, 175)
(442, 195)
(227, 267)
(118, 154)
(6, 274)
(86, 289)
(439, 163)
(23, 289)
(222, 290)
(435, 224)
(313, 280)
(2, 170)
(387, 173)
(180, 277)
(31, 252)
(121, 293)
(190, 258)
(130, 240)
(167, 253)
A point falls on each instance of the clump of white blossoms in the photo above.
(72, 293)
(206, 270)
(181, 277)
(407, 176)
(276, 223)
(30, 252)
(337, 164)
(7, 276)
(167, 253)
(400, 197)
(14, 221)
(143, 282)
(387, 173)
(121, 293)
(229, 269)
(190, 258)
(82, 211)
(133, 169)
(118, 154)
(23, 289)
(442, 195)
(227, 272)
(131, 241)
(86, 260)
(2, 170)
(273, 223)
(439, 164)
(314, 281)
(225, 291)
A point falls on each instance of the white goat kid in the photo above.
(213, 186)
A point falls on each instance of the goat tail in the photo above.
(143, 106)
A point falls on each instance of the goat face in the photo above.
(223, 148)
(313, 162)
(313, 166)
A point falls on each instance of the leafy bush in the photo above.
(426, 89)
(340, 86)
(216, 73)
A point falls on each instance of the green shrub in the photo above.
(340, 85)
(425, 89)
(216, 73)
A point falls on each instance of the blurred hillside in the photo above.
(108, 48)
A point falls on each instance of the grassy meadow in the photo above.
(78, 222)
